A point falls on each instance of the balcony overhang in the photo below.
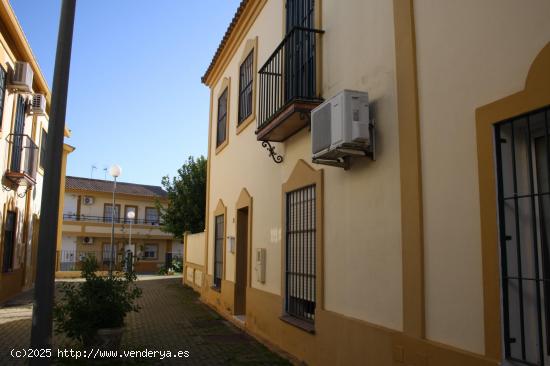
(20, 179)
(288, 121)
(289, 85)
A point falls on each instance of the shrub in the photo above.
(97, 303)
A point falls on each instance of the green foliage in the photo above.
(97, 303)
(186, 198)
(177, 265)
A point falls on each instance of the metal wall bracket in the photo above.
(342, 156)
(272, 153)
(16, 190)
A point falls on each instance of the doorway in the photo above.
(241, 274)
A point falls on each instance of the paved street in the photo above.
(171, 319)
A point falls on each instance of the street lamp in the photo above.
(115, 172)
(131, 215)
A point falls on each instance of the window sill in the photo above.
(216, 288)
(222, 146)
(300, 324)
(244, 124)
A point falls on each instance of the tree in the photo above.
(186, 198)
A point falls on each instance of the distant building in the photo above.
(87, 220)
(24, 109)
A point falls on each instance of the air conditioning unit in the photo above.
(88, 200)
(260, 264)
(341, 128)
(38, 104)
(88, 240)
(21, 78)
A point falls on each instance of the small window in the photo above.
(150, 251)
(246, 80)
(107, 212)
(218, 250)
(151, 215)
(300, 254)
(43, 144)
(3, 75)
(221, 130)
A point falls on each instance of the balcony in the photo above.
(288, 86)
(108, 220)
(24, 160)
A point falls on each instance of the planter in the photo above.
(108, 339)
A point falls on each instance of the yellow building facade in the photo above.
(419, 257)
(24, 108)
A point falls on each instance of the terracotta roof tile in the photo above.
(226, 36)
(99, 185)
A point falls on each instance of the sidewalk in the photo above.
(171, 319)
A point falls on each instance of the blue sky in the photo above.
(135, 96)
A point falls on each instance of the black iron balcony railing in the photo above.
(289, 75)
(108, 219)
(24, 159)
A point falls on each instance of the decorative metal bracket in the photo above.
(272, 153)
(16, 190)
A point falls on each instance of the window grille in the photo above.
(523, 166)
(3, 77)
(300, 253)
(222, 118)
(43, 144)
(245, 87)
(218, 250)
(19, 130)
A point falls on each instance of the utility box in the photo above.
(260, 264)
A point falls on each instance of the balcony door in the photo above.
(299, 13)
(18, 132)
(300, 55)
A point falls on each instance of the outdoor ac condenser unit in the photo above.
(38, 105)
(341, 128)
(260, 264)
(88, 240)
(21, 78)
(88, 200)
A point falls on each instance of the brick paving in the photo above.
(172, 318)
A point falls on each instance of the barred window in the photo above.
(300, 253)
(246, 79)
(3, 75)
(222, 118)
(218, 250)
(43, 144)
(523, 168)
